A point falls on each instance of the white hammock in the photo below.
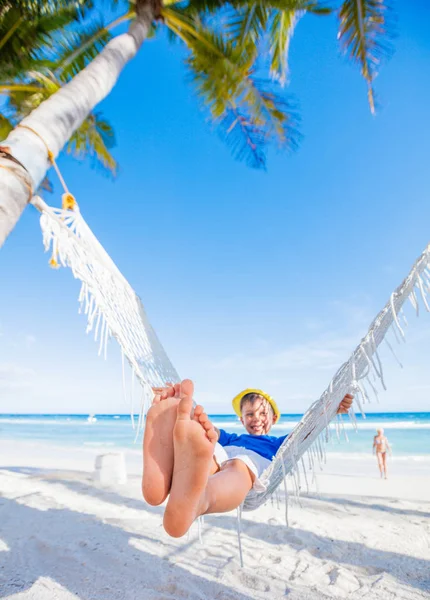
(113, 309)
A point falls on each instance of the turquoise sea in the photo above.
(408, 433)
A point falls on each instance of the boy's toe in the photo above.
(207, 425)
(212, 435)
(203, 418)
(187, 388)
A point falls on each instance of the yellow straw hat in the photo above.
(238, 398)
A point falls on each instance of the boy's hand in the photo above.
(170, 390)
(345, 405)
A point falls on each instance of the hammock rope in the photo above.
(113, 309)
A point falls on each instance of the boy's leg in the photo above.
(194, 491)
(158, 445)
(227, 489)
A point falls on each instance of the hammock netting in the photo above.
(113, 309)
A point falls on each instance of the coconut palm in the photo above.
(225, 41)
(30, 72)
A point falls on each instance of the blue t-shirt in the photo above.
(264, 445)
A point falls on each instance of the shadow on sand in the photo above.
(21, 533)
(94, 561)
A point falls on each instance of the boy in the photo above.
(257, 412)
(183, 459)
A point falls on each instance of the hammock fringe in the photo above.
(107, 300)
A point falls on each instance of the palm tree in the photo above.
(225, 40)
(30, 73)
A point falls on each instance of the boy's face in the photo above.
(258, 417)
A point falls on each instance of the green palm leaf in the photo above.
(6, 127)
(23, 41)
(250, 115)
(213, 6)
(39, 86)
(248, 23)
(37, 8)
(363, 33)
(281, 31)
(262, 21)
(75, 49)
(94, 139)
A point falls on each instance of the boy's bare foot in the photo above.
(194, 439)
(158, 445)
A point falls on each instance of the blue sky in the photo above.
(251, 278)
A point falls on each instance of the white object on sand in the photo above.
(109, 469)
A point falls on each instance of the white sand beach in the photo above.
(62, 536)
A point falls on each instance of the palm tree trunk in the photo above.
(57, 118)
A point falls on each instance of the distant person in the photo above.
(380, 448)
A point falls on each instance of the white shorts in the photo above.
(255, 463)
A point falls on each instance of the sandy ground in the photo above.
(62, 536)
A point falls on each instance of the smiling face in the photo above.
(257, 415)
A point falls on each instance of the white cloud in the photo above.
(17, 341)
(357, 312)
(321, 353)
(419, 388)
(315, 324)
(14, 370)
(389, 269)
(29, 341)
(15, 377)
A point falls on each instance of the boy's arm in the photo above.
(345, 405)
(224, 438)
(343, 409)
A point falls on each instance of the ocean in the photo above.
(407, 433)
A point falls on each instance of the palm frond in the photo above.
(246, 109)
(75, 49)
(23, 41)
(364, 35)
(36, 8)
(245, 138)
(248, 22)
(39, 87)
(281, 31)
(213, 6)
(94, 139)
(6, 127)
(250, 129)
(262, 22)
